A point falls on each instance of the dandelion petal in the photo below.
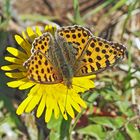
(31, 33)
(23, 105)
(17, 53)
(17, 83)
(26, 85)
(35, 100)
(41, 106)
(38, 31)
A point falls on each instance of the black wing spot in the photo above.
(45, 43)
(36, 66)
(86, 69)
(85, 34)
(107, 63)
(84, 60)
(100, 43)
(42, 47)
(92, 69)
(98, 57)
(92, 45)
(88, 52)
(67, 35)
(73, 36)
(97, 49)
(83, 40)
(39, 62)
(115, 52)
(106, 56)
(42, 70)
(98, 65)
(107, 46)
(79, 35)
(50, 78)
(104, 51)
(46, 62)
(73, 31)
(40, 42)
(48, 70)
(90, 60)
(39, 78)
(61, 34)
(36, 71)
(32, 62)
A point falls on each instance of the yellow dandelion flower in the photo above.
(54, 98)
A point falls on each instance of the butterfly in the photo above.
(72, 51)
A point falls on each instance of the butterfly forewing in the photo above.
(41, 43)
(98, 55)
(77, 36)
(40, 69)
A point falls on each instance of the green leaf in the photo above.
(59, 128)
(133, 132)
(54, 126)
(54, 123)
(110, 122)
(115, 135)
(119, 136)
(94, 131)
(124, 107)
(64, 131)
(91, 97)
(105, 121)
(54, 135)
(118, 121)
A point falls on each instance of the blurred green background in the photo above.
(113, 106)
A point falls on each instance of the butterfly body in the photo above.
(62, 62)
(72, 51)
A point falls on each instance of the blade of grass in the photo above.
(8, 104)
(77, 17)
(90, 13)
(130, 10)
(7, 8)
(76, 120)
(117, 6)
(37, 17)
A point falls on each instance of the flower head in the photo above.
(51, 98)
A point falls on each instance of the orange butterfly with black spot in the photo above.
(70, 52)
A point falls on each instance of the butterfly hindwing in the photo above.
(98, 55)
(40, 69)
